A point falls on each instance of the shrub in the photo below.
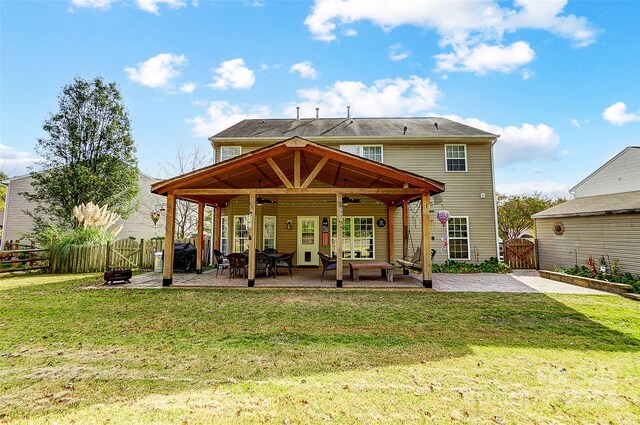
(491, 265)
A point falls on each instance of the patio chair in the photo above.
(286, 261)
(263, 264)
(328, 263)
(221, 262)
(237, 263)
(270, 251)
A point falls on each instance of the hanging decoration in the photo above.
(325, 231)
(443, 217)
(155, 216)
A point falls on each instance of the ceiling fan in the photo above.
(260, 200)
(346, 200)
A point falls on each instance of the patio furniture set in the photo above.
(267, 263)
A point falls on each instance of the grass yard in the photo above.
(72, 355)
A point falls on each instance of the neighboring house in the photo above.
(455, 154)
(138, 225)
(602, 220)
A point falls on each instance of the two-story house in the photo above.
(602, 220)
(305, 176)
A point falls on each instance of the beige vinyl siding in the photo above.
(137, 225)
(620, 175)
(617, 235)
(289, 207)
(427, 158)
(462, 197)
(17, 224)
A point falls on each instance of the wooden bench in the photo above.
(386, 270)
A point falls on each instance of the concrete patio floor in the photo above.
(524, 281)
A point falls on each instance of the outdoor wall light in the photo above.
(289, 224)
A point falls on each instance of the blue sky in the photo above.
(560, 81)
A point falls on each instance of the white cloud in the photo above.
(305, 69)
(473, 30)
(518, 144)
(388, 97)
(221, 115)
(397, 52)
(157, 71)
(349, 32)
(483, 58)
(575, 123)
(188, 87)
(617, 114)
(96, 4)
(151, 6)
(14, 162)
(547, 187)
(234, 74)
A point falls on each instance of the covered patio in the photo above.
(299, 167)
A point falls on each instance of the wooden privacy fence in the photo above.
(122, 254)
(520, 254)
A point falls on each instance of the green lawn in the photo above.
(75, 355)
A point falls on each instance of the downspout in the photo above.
(495, 201)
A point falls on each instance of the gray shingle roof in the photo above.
(345, 128)
(616, 203)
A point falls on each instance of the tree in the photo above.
(515, 211)
(88, 156)
(188, 158)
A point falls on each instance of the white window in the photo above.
(456, 157)
(458, 231)
(224, 234)
(268, 232)
(228, 152)
(372, 152)
(240, 233)
(358, 237)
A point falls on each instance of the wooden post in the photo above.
(426, 241)
(296, 169)
(107, 263)
(252, 240)
(218, 228)
(141, 254)
(405, 234)
(170, 226)
(200, 238)
(339, 219)
(390, 233)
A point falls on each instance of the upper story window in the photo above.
(228, 152)
(372, 152)
(456, 157)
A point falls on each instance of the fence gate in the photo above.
(520, 254)
(124, 254)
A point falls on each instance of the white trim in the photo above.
(4, 218)
(224, 218)
(275, 229)
(466, 162)
(233, 247)
(239, 148)
(352, 237)
(361, 150)
(466, 217)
